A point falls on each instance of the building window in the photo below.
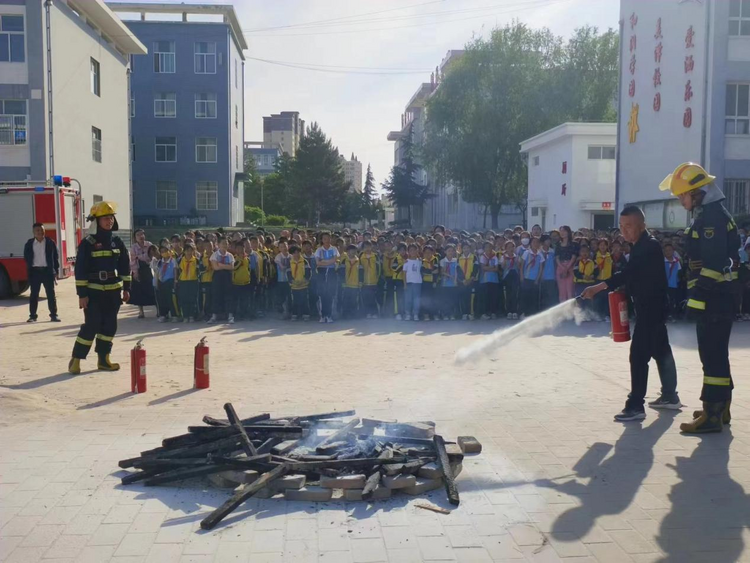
(132, 148)
(12, 39)
(96, 144)
(96, 85)
(164, 60)
(536, 161)
(205, 57)
(165, 104)
(166, 149)
(207, 196)
(738, 109)
(236, 117)
(205, 149)
(601, 153)
(166, 196)
(205, 106)
(12, 122)
(739, 18)
(132, 106)
(737, 193)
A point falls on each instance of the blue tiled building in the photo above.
(187, 115)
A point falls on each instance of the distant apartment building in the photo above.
(64, 100)
(284, 130)
(446, 206)
(352, 173)
(265, 157)
(187, 114)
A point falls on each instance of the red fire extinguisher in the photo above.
(200, 374)
(138, 368)
(618, 312)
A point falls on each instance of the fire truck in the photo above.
(55, 204)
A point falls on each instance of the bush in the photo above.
(277, 220)
(253, 214)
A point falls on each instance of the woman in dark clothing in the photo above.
(142, 289)
(566, 253)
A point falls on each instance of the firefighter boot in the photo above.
(726, 417)
(105, 364)
(74, 366)
(710, 420)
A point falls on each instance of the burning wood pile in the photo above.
(306, 458)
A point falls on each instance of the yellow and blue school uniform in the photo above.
(188, 286)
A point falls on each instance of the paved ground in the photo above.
(557, 481)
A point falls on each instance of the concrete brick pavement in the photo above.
(557, 479)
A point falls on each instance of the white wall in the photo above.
(662, 143)
(236, 135)
(594, 180)
(77, 109)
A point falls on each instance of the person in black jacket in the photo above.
(103, 284)
(646, 282)
(712, 249)
(43, 265)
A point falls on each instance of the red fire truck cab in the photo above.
(54, 204)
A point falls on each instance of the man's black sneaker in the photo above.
(31, 320)
(630, 414)
(664, 403)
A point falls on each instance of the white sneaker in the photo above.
(322, 320)
(465, 318)
(515, 316)
(212, 320)
(407, 317)
(398, 317)
(427, 318)
(471, 317)
(294, 318)
(329, 319)
(175, 320)
(230, 320)
(485, 317)
(162, 319)
(185, 320)
(510, 316)
(453, 318)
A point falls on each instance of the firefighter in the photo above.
(713, 258)
(102, 283)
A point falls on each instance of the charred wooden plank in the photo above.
(219, 422)
(241, 496)
(267, 446)
(193, 451)
(340, 433)
(141, 475)
(247, 445)
(190, 472)
(302, 466)
(371, 484)
(445, 468)
(330, 448)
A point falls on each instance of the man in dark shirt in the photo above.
(646, 282)
(43, 267)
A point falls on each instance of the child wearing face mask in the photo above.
(525, 244)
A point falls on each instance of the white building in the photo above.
(352, 173)
(77, 123)
(572, 176)
(685, 78)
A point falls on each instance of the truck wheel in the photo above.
(5, 288)
(22, 286)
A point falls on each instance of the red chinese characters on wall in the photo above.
(689, 66)
(633, 62)
(657, 101)
(658, 36)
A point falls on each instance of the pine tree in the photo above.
(369, 200)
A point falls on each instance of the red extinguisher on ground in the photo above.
(200, 373)
(618, 312)
(138, 368)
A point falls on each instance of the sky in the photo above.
(356, 39)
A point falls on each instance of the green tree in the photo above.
(369, 200)
(504, 90)
(402, 186)
(352, 208)
(252, 180)
(316, 185)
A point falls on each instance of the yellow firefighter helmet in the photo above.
(686, 178)
(102, 209)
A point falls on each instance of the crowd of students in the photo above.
(442, 275)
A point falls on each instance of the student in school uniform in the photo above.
(430, 278)
(549, 279)
(449, 284)
(312, 290)
(467, 264)
(672, 268)
(398, 279)
(299, 275)
(350, 270)
(326, 257)
(166, 272)
(604, 264)
(222, 263)
(412, 271)
(206, 274)
(260, 275)
(241, 286)
(525, 245)
(585, 272)
(188, 284)
(489, 282)
(387, 253)
(370, 276)
(282, 290)
(532, 264)
(511, 272)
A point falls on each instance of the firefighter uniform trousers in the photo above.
(102, 271)
(100, 323)
(712, 248)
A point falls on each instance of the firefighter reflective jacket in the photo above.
(102, 264)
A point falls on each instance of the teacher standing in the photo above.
(646, 282)
(142, 288)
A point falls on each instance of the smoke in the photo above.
(531, 326)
